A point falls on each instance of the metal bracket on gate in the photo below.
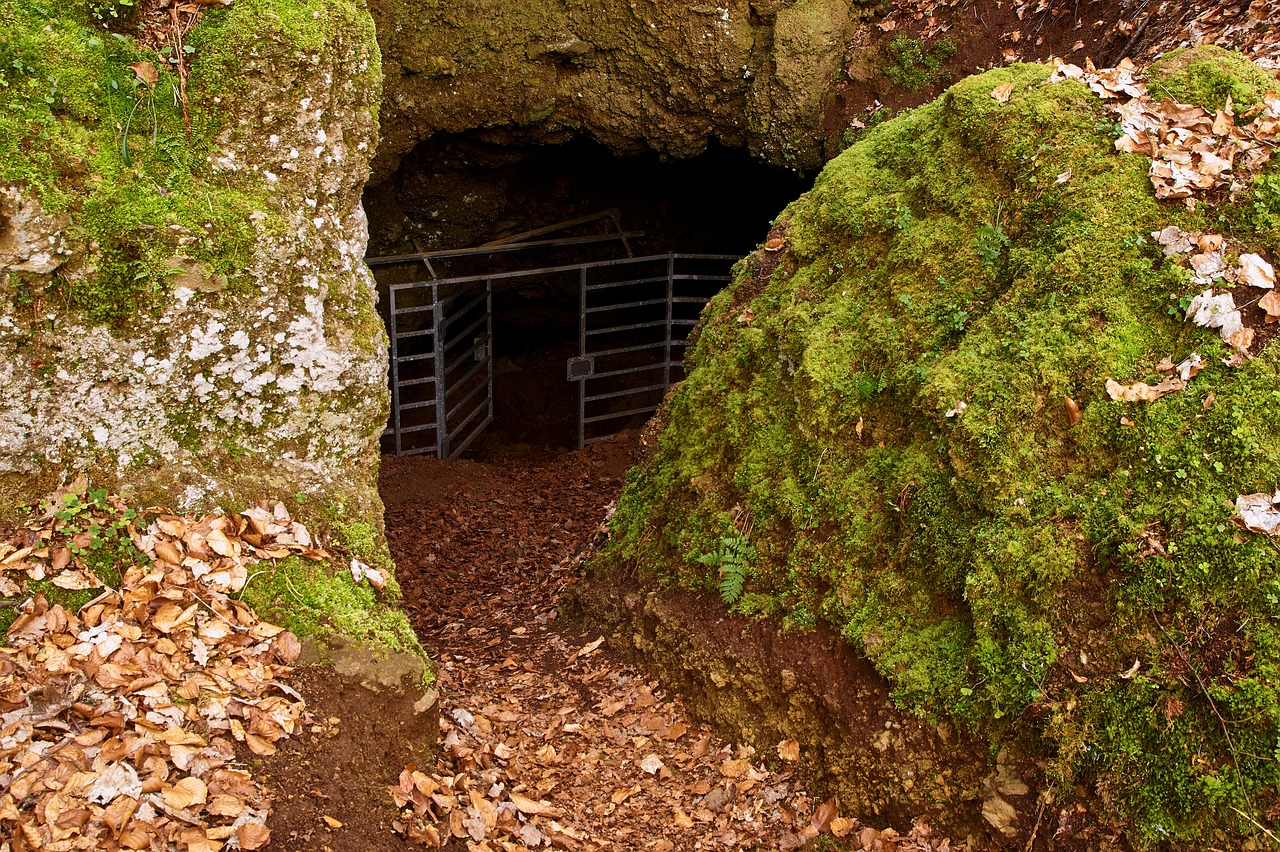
(578, 369)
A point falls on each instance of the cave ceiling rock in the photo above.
(633, 75)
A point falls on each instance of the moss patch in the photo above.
(1207, 76)
(1002, 568)
(913, 64)
(312, 599)
(96, 144)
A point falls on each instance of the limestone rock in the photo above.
(252, 363)
(30, 239)
(635, 76)
(1000, 815)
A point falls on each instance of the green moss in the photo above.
(977, 559)
(311, 599)
(97, 145)
(913, 64)
(1207, 75)
(362, 540)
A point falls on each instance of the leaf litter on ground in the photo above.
(550, 742)
(117, 721)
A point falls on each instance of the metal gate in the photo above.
(441, 365)
(635, 316)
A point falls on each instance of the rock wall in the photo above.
(635, 75)
(184, 311)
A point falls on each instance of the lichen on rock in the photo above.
(186, 314)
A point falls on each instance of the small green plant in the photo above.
(991, 243)
(1114, 129)
(731, 560)
(912, 64)
(97, 532)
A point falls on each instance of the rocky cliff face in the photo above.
(635, 75)
(184, 311)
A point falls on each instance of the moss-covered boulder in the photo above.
(184, 309)
(877, 434)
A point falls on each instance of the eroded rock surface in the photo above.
(633, 75)
(197, 335)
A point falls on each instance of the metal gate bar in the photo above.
(442, 385)
(442, 356)
(607, 317)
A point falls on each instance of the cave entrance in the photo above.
(578, 327)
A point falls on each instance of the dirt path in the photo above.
(549, 741)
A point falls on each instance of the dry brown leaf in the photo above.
(535, 808)
(789, 750)
(622, 795)
(1271, 304)
(1003, 92)
(330, 821)
(146, 73)
(187, 792)
(842, 827)
(61, 558)
(1142, 392)
(252, 836)
(1241, 340)
(1073, 410)
(824, 815)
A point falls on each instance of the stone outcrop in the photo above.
(202, 334)
(633, 74)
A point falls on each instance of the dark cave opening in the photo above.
(457, 191)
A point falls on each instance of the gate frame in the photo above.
(670, 298)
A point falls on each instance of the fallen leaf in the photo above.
(651, 764)
(1271, 304)
(824, 815)
(1073, 410)
(1241, 340)
(1003, 92)
(1259, 513)
(252, 836)
(1256, 272)
(1132, 670)
(789, 750)
(146, 73)
(841, 827)
(534, 808)
(1142, 392)
(621, 796)
(331, 822)
(187, 792)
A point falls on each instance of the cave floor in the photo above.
(549, 739)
